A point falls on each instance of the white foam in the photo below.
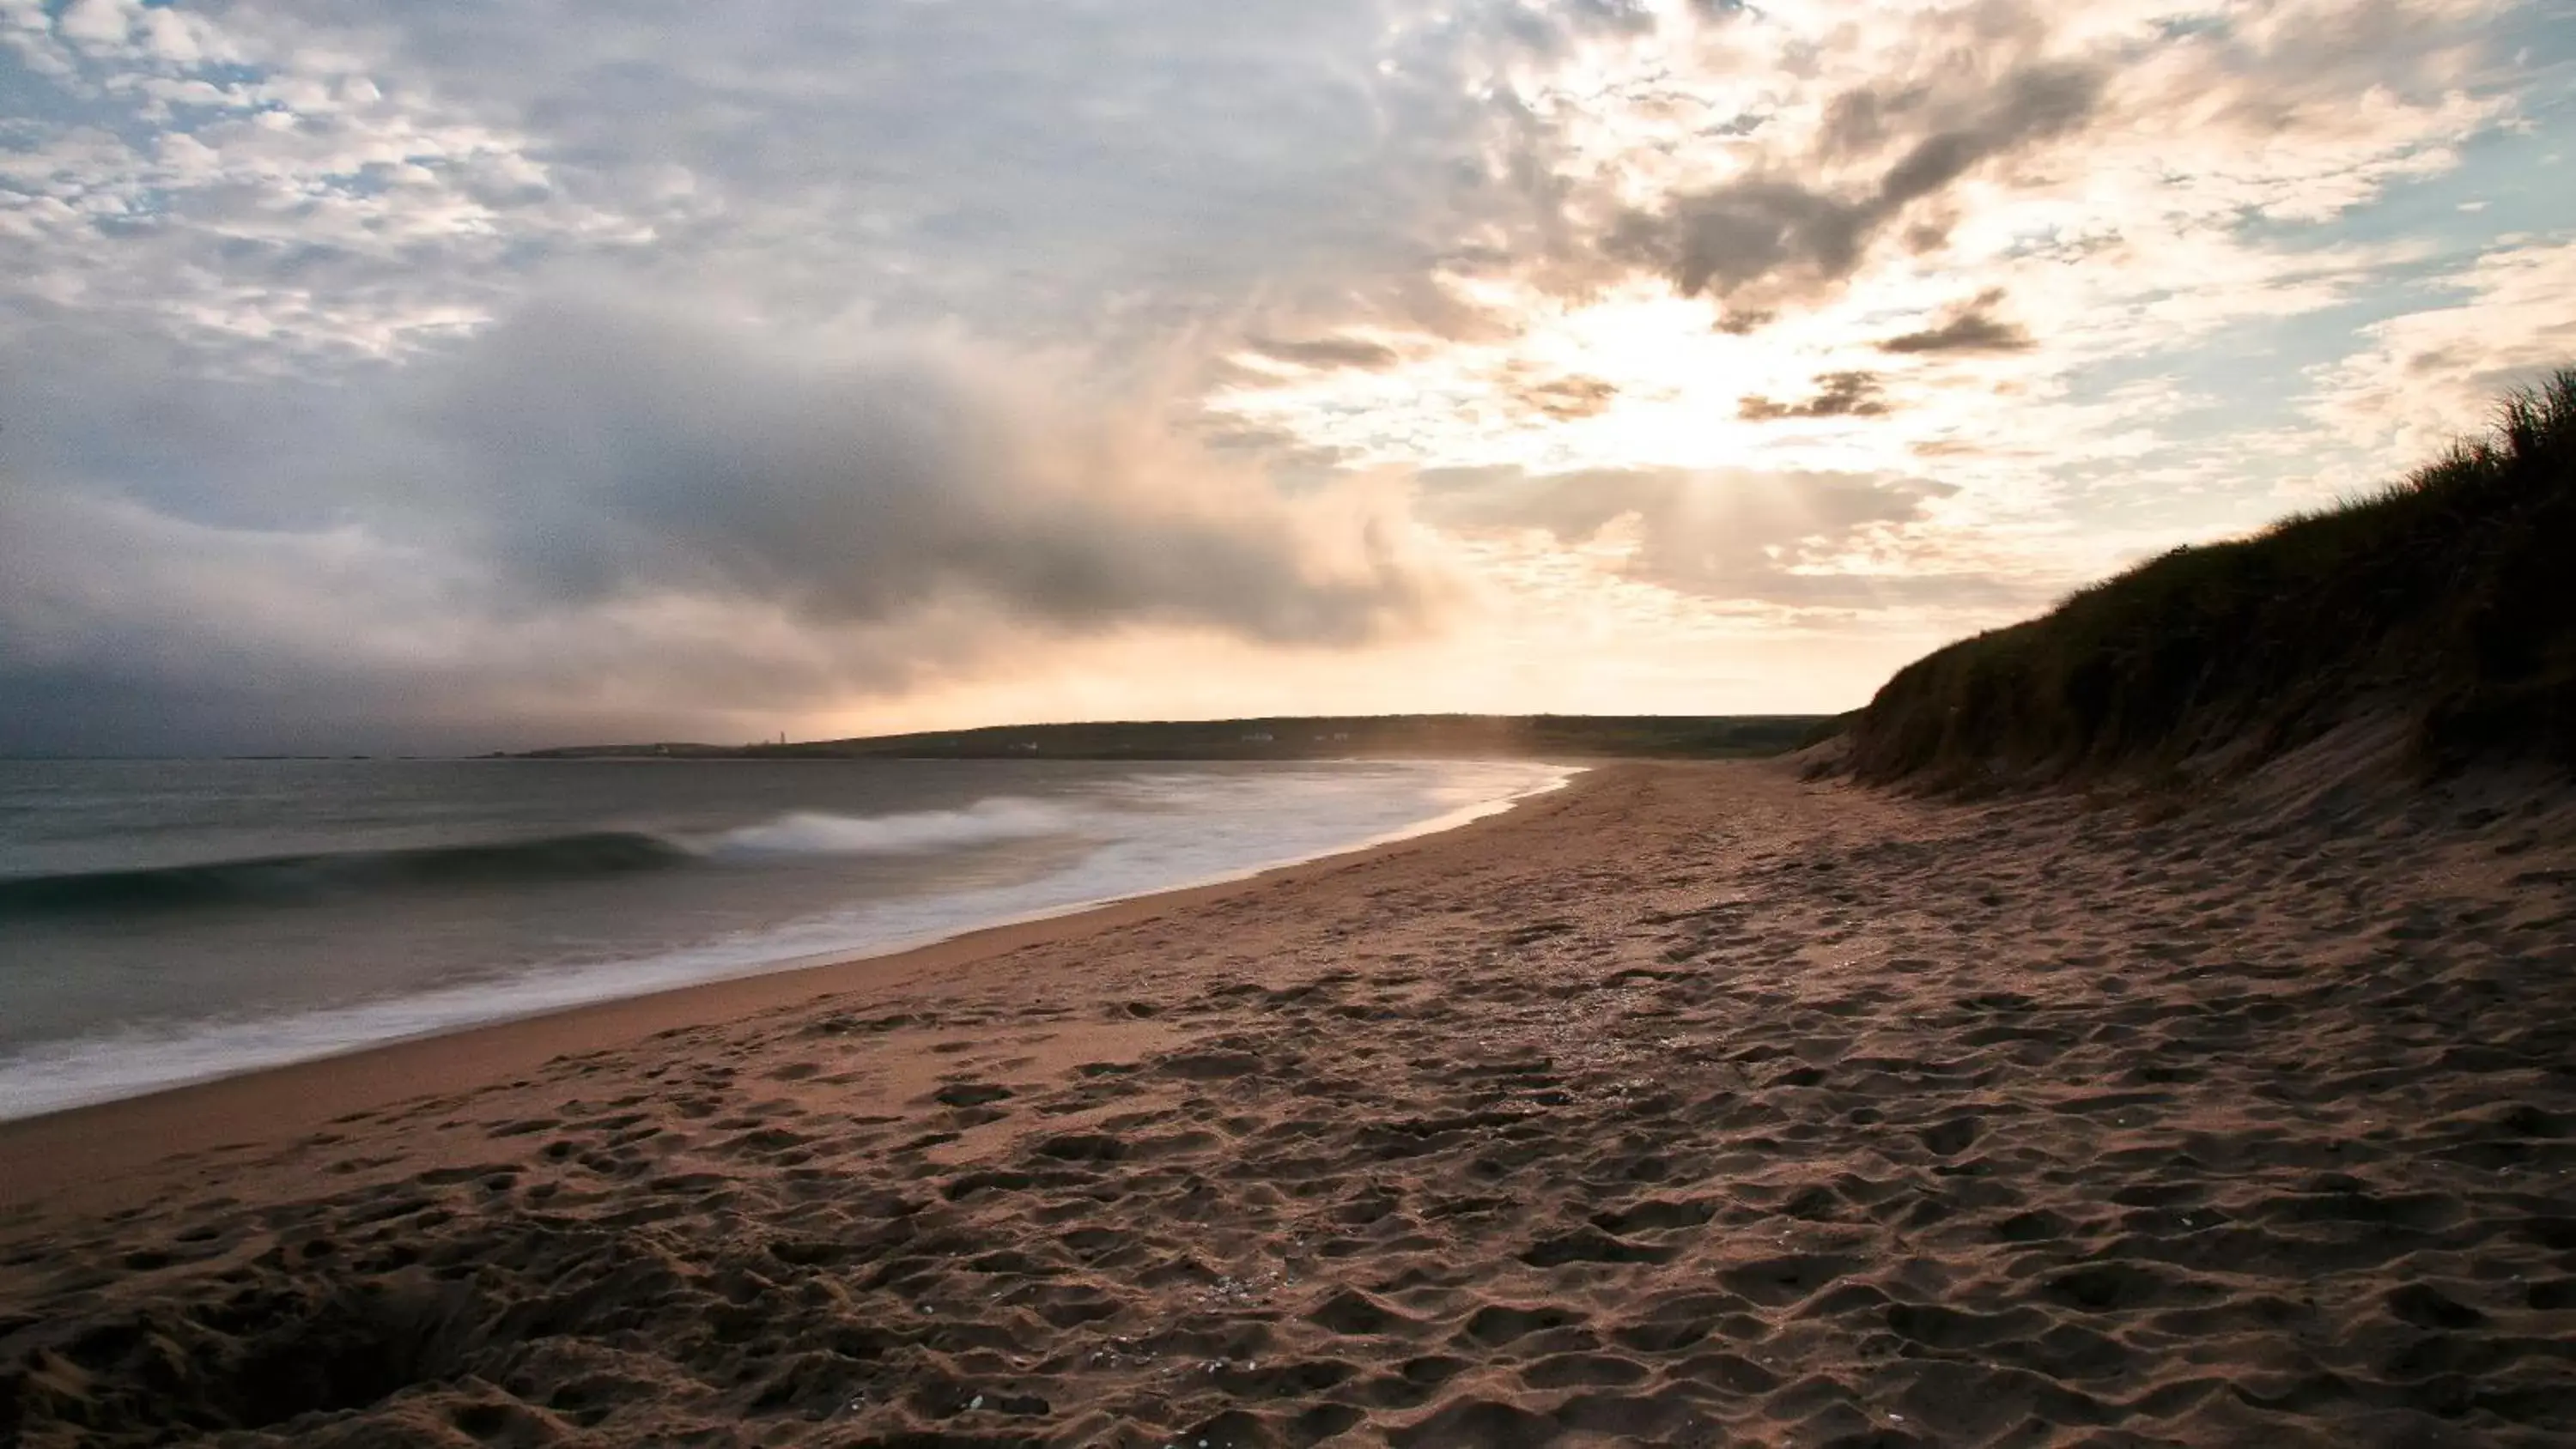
(988, 822)
(1185, 830)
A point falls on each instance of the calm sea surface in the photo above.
(166, 922)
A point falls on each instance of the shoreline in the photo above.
(51, 1153)
(1697, 1104)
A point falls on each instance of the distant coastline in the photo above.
(1299, 737)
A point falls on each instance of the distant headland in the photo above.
(1302, 737)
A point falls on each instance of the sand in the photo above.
(1692, 1104)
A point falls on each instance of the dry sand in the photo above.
(1693, 1104)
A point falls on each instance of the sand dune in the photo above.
(1693, 1105)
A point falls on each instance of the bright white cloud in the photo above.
(2498, 323)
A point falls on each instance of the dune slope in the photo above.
(2446, 603)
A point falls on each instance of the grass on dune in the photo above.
(2449, 598)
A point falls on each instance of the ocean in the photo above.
(164, 922)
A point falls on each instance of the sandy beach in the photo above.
(1693, 1104)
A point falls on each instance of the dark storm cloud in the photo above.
(1784, 233)
(677, 458)
(586, 501)
(1837, 395)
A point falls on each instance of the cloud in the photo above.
(1022, 332)
(1973, 328)
(2503, 319)
(1720, 241)
(367, 174)
(1356, 352)
(1837, 395)
(1566, 398)
(835, 517)
(680, 457)
(1782, 539)
(1778, 230)
(2036, 102)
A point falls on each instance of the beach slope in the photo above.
(1696, 1103)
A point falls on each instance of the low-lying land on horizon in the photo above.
(1297, 737)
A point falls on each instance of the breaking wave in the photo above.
(990, 822)
(288, 879)
(1137, 833)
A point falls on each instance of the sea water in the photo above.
(164, 922)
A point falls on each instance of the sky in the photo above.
(379, 376)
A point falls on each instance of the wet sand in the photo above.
(1694, 1104)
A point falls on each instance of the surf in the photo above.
(281, 880)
